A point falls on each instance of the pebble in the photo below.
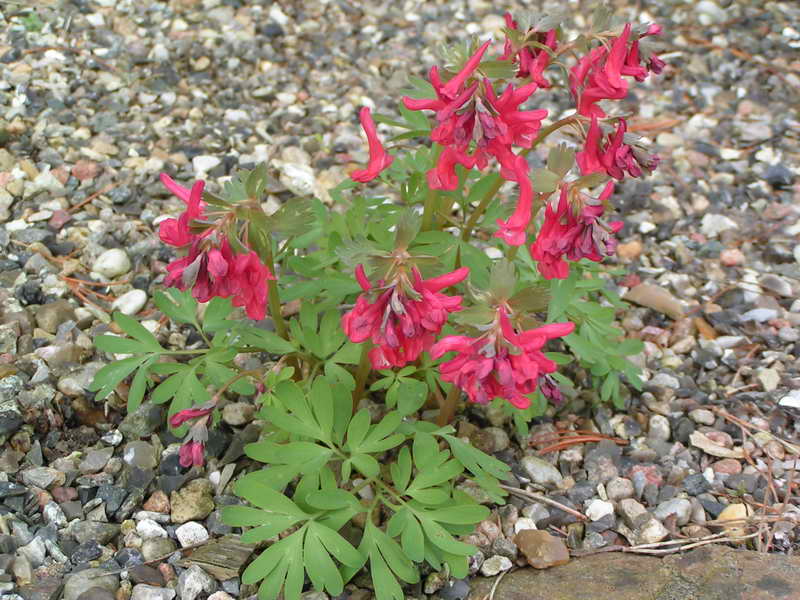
(193, 502)
(80, 581)
(791, 400)
(193, 582)
(597, 509)
(619, 488)
(204, 163)
(112, 263)
(702, 416)
(680, 507)
(191, 533)
(147, 528)
(735, 513)
(651, 531)
(130, 302)
(541, 472)
(659, 428)
(712, 225)
(494, 565)
(149, 592)
(541, 549)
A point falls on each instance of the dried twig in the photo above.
(544, 499)
(670, 546)
(792, 448)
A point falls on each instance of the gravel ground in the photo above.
(98, 97)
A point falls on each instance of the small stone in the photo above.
(769, 379)
(680, 507)
(791, 400)
(597, 509)
(54, 515)
(541, 549)
(149, 592)
(541, 472)
(130, 302)
(147, 528)
(619, 488)
(50, 316)
(494, 565)
(193, 502)
(631, 511)
(191, 533)
(702, 416)
(524, 523)
(651, 531)
(728, 466)
(778, 176)
(193, 582)
(156, 547)
(656, 297)
(43, 477)
(220, 595)
(157, 502)
(95, 460)
(712, 225)
(630, 251)
(731, 257)
(22, 569)
(238, 413)
(145, 574)
(112, 263)
(35, 551)
(141, 455)
(659, 428)
(85, 531)
(736, 513)
(204, 163)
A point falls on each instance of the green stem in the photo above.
(432, 198)
(361, 375)
(492, 191)
(448, 408)
(274, 299)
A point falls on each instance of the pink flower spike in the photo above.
(379, 159)
(451, 87)
(180, 417)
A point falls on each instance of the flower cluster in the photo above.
(501, 363)
(210, 267)
(565, 234)
(405, 317)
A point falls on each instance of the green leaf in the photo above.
(268, 341)
(139, 386)
(357, 430)
(502, 280)
(119, 345)
(401, 469)
(319, 566)
(265, 497)
(177, 305)
(393, 553)
(382, 437)
(440, 537)
(561, 159)
(137, 331)
(413, 540)
(330, 499)
(216, 314)
(426, 451)
(366, 464)
(294, 218)
(110, 376)
(167, 389)
(322, 405)
(412, 394)
(339, 547)
(461, 514)
(545, 181)
(434, 496)
(247, 516)
(296, 453)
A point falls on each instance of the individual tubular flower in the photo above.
(531, 61)
(554, 239)
(443, 176)
(502, 363)
(379, 159)
(405, 318)
(513, 230)
(591, 236)
(250, 278)
(175, 232)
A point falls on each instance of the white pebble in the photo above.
(130, 302)
(112, 263)
(147, 528)
(191, 533)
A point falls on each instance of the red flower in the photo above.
(474, 123)
(404, 319)
(188, 414)
(553, 241)
(614, 157)
(503, 363)
(191, 453)
(175, 232)
(598, 75)
(513, 230)
(531, 61)
(379, 159)
(249, 279)
(591, 237)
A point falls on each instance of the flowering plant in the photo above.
(415, 294)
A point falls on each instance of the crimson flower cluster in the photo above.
(501, 363)
(404, 318)
(210, 267)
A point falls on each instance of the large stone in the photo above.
(50, 316)
(193, 502)
(193, 582)
(541, 472)
(712, 572)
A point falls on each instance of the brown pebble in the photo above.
(731, 257)
(64, 494)
(730, 466)
(167, 572)
(157, 502)
(630, 251)
(542, 549)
